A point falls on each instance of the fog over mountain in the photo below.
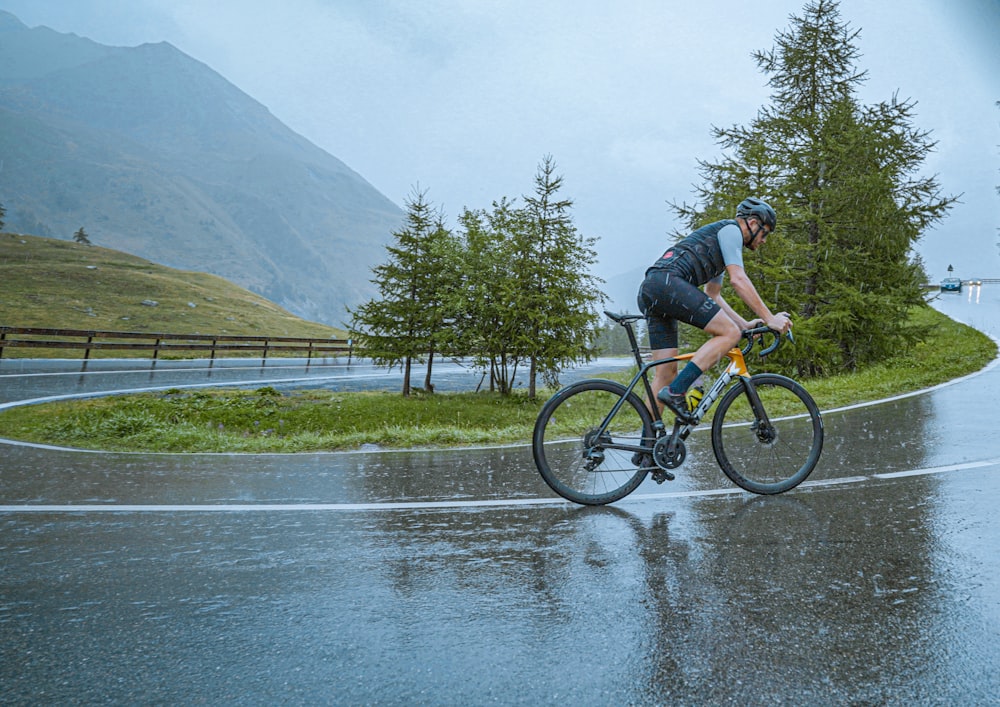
(154, 153)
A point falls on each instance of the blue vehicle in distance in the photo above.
(951, 284)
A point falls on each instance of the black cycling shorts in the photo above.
(666, 298)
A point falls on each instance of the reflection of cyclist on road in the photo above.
(670, 293)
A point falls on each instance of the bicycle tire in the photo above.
(772, 458)
(576, 465)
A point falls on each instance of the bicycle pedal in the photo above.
(661, 475)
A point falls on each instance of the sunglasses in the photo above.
(762, 227)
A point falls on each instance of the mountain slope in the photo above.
(156, 154)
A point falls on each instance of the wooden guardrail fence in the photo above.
(78, 339)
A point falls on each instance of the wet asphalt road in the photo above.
(455, 577)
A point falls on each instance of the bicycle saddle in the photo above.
(622, 318)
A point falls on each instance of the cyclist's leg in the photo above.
(669, 295)
(665, 374)
(725, 335)
(662, 331)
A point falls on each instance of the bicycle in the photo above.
(595, 441)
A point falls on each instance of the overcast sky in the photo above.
(465, 97)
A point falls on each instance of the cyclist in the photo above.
(669, 293)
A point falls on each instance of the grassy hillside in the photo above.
(56, 283)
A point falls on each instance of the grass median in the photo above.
(271, 421)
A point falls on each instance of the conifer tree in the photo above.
(407, 322)
(851, 203)
(81, 237)
(491, 322)
(529, 298)
(557, 291)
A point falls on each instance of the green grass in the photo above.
(266, 420)
(53, 283)
(952, 351)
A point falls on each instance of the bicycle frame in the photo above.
(737, 368)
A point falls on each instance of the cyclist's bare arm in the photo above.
(714, 290)
(748, 293)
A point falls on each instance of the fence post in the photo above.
(86, 354)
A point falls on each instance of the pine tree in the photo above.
(408, 322)
(529, 296)
(557, 290)
(3, 213)
(491, 323)
(851, 206)
(81, 237)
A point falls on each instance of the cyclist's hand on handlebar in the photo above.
(755, 324)
(780, 322)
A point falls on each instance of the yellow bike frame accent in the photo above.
(738, 364)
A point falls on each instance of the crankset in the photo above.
(669, 452)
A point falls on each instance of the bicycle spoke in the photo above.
(774, 455)
(578, 459)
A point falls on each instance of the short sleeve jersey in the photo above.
(704, 255)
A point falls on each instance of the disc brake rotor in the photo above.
(767, 435)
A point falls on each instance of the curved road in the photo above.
(455, 578)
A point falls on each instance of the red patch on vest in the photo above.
(668, 254)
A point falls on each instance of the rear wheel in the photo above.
(579, 461)
(772, 447)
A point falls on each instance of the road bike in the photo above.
(595, 441)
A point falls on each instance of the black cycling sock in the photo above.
(685, 378)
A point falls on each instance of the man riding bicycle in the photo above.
(669, 293)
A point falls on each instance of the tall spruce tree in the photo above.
(851, 203)
(491, 322)
(409, 322)
(528, 295)
(558, 293)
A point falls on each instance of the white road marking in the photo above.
(458, 505)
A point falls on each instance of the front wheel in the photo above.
(772, 446)
(584, 460)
